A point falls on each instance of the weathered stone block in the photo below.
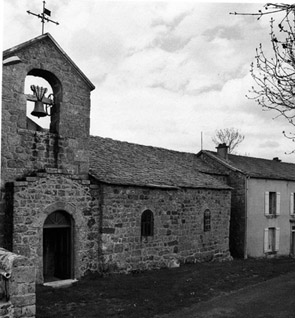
(31, 179)
(118, 248)
(107, 230)
(28, 311)
(23, 300)
(24, 274)
(20, 183)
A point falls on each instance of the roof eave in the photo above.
(158, 186)
(270, 178)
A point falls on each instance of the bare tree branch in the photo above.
(230, 136)
(275, 76)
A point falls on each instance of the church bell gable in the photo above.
(65, 105)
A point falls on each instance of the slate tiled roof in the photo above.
(124, 163)
(258, 167)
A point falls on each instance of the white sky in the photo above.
(164, 71)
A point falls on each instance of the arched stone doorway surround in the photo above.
(75, 218)
(35, 199)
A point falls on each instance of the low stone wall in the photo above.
(17, 286)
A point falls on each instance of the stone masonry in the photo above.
(19, 299)
(179, 232)
(37, 197)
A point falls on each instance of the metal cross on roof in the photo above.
(43, 17)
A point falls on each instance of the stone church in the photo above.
(74, 203)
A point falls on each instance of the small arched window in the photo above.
(207, 221)
(147, 223)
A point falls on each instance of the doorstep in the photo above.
(61, 283)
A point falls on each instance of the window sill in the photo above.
(146, 239)
(271, 253)
(272, 216)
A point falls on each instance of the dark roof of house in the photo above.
(117, 162)
(9, 52)
(257, 167)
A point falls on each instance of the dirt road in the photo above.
(274, 298)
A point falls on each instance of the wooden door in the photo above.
(57, 248)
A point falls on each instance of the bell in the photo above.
(39, 109)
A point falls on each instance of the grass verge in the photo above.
(155, 292)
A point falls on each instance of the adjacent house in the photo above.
(73, 203)
(262, 207)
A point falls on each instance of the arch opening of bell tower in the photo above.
(51, 100)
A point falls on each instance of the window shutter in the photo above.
(292, 203)
(278, 202)
(266, 248)
(277, 239)
(266, 203)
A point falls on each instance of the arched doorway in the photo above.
(58, 246)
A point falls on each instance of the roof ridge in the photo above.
(251, 157)
(256, 167)
(146, 146)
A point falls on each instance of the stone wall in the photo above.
(31, 151)
(20, 299)
(178, 227)
(237, 181)
(38, 197)
(107, 223)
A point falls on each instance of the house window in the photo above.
(292, 205)
(207, 221)
(271, 239)
(147, 223)
(293, 240)
(272, 203)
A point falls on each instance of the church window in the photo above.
(207, 221)
(147, 223)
